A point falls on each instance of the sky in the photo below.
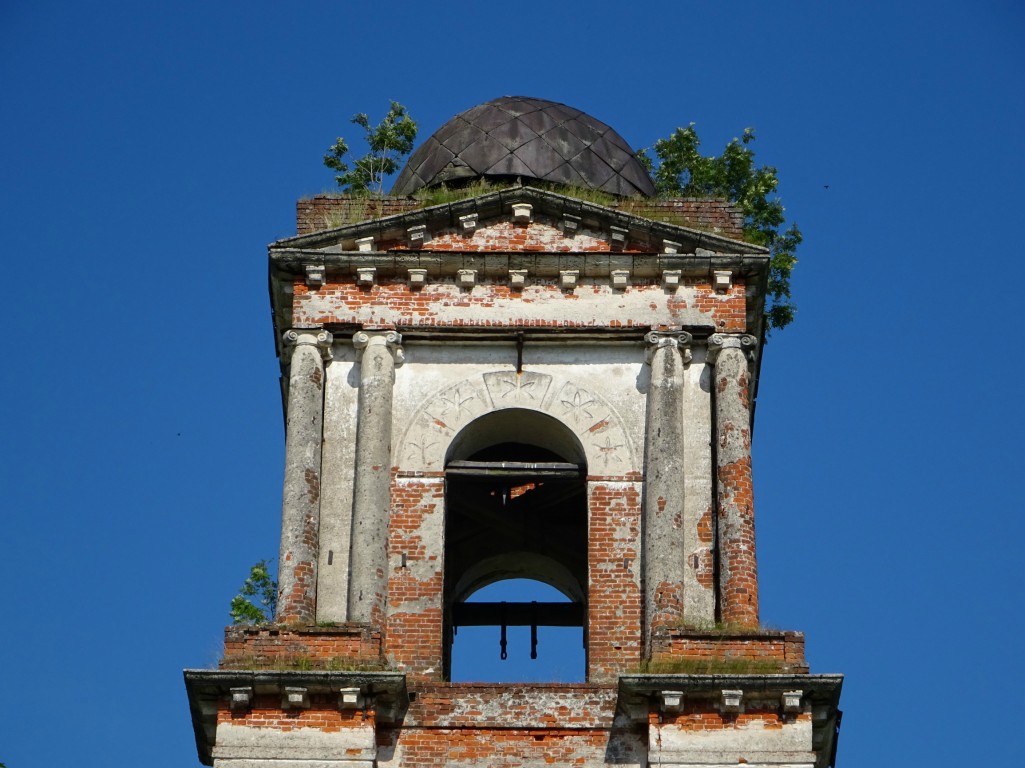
(149, 152)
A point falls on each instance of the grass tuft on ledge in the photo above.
(712, 667)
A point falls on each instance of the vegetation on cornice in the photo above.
(677, 168)
(681, 170)
(370, 207)
(254, 603)
(711, 666)
(303, 663)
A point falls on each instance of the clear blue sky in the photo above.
(149, 152)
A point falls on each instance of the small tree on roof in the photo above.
(389, 141)
(255, 602)
(683, 171)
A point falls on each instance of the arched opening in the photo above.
(516, 513)
(533, 653)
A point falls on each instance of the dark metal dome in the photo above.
(529, 138)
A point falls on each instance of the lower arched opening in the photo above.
(515, 540)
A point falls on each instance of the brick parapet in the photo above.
(717, 215)
(770, 647)
(322, 212)
(316, 647)
(314, 214)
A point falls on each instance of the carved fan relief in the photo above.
(435, 425)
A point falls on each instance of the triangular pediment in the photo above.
(516, 219)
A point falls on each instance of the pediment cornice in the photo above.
(412, 231)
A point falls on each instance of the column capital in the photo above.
(717, 342)
(314, 337)
(679, 340)
(391, 340)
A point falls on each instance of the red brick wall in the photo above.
(718, 216)
(740, 594)
(323, 714)
(391, 303)
(413, 641)
(255, 647)
(614, 595)
(700, 717)
(728, 310)
(739, 587)
(780, 647)
(509, 725)
(322, 212)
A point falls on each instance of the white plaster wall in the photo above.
(595, 390)
(244, 745)
(338, 458)
(750, 743)
(599, 390)
(699, 601)
(591, 304)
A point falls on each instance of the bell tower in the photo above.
(517, 383)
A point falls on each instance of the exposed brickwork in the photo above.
(544, 304)
(511, 725)
(322, 714)
(256, 647)
(415, 586)
(299, 603)
(539, 235)
(705, 555)
(614, 594)
(738, 564)
(718, 216)
(475, 705)
(728, 310)
(740, 590)
(783, 648)
(507, 747)
(325, 212)
(700, 717)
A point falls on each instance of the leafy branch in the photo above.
(259, 586)
(389, 141)
(683, 171)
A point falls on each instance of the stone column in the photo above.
(300, 508)
(738, 571)
(378, 352)
(662, 522)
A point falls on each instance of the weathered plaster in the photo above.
(300, 509)
(244, 746)
(543, 302)
(378, 354)
(338, 462)
(664, 473)
(698, 591)
(751, 742)
(460, 392)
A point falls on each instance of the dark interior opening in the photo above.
(516, 508)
